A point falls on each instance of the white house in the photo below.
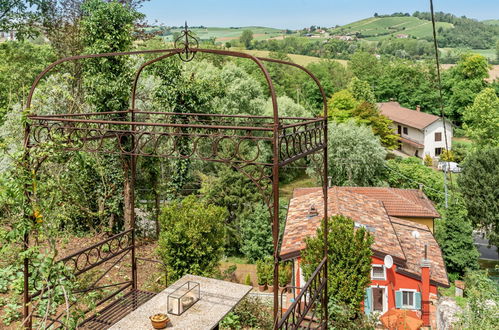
(420, 133)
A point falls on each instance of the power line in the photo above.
(440, 98)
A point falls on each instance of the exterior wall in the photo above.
(395, 282)
(423, 221)
(429, 137)
(413, 134)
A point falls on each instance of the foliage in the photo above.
(342, 316)
(250, 313)
(478, 184)
(455, 237)
(409, 173)
(483, 302)
(192, 237)
(361, 90)
(341, 105)
(285, 273)
(356, 157)
(481, 119)
(22, 16)
(236, 193)
(369, 114)
(20, 62)
(333, 77)
(349, 264)
(256, 232)
(261, 272)
(107, 27)
(447, 156)
(462, 83)
(246, 38)
(428, 161)
(247, 280)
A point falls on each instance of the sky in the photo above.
(296, 14)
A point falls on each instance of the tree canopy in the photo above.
(481, 119)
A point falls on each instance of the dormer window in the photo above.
(378, 272)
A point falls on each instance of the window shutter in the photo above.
(367, 301)
(417, 300)
(398, 299)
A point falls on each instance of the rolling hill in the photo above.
(377, 28)
(491, 22)
(223, 34)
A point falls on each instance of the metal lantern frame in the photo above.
(137, 133)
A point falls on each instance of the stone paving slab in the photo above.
(218, 298)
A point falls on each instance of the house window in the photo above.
(408, 299)
(438, 137)
(405, 131)
(399, 129)
(438, 151)
(378, 272)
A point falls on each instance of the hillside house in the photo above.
(420, 133)
(418, 267)
(8, 36)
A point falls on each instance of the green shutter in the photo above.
(398, 299)
(417, 300)
(367, 301)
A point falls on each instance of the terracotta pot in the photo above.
(159, 321)
(271, 288)
(282, 288)
(262, 287)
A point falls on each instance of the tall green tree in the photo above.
(478, 184)
(256, 232)
(481, 119)
(361, 90)
(192, 237)
(455, 237)
(462, 83)
(107, 27)
(356, 157)
(349, 264)
(246, 38)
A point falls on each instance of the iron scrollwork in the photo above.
(188, 42)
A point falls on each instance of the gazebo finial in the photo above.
(188, 42)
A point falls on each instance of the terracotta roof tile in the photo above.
(414, 249)
(364, 210)
(412, 118)
(398, 202)
(391, 235)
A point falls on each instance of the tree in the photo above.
(361, 90)
(462, 83)
(246, 38)
(192, 237)
(409, 173)
(478, 184)
(481, 119)
(365, 66)
(497, 50)
(20, 62)
(349, 265)
(356, 157)
(369, 114)
(21, 16)
(341, 105)
(455, 237)
(256, 232)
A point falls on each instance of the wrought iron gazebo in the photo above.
(132, 133)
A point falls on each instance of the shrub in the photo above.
(192, 237)
(285, 273)
(247, 280)
(250, 313)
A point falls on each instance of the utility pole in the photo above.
(446, 164)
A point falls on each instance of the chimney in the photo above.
(312, 212)
(425, 290)
(418, 107)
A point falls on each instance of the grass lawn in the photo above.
(303, 60)
(286, 190)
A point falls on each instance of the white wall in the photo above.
(429, 137)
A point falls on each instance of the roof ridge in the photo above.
(408, 200)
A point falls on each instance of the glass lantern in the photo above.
(183, 298)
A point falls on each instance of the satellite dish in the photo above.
(388, 261)
(415, 234)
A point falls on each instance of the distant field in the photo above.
(491, 21)
(377, 28)
(222, 34)
(489, 53)
(298, 59)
